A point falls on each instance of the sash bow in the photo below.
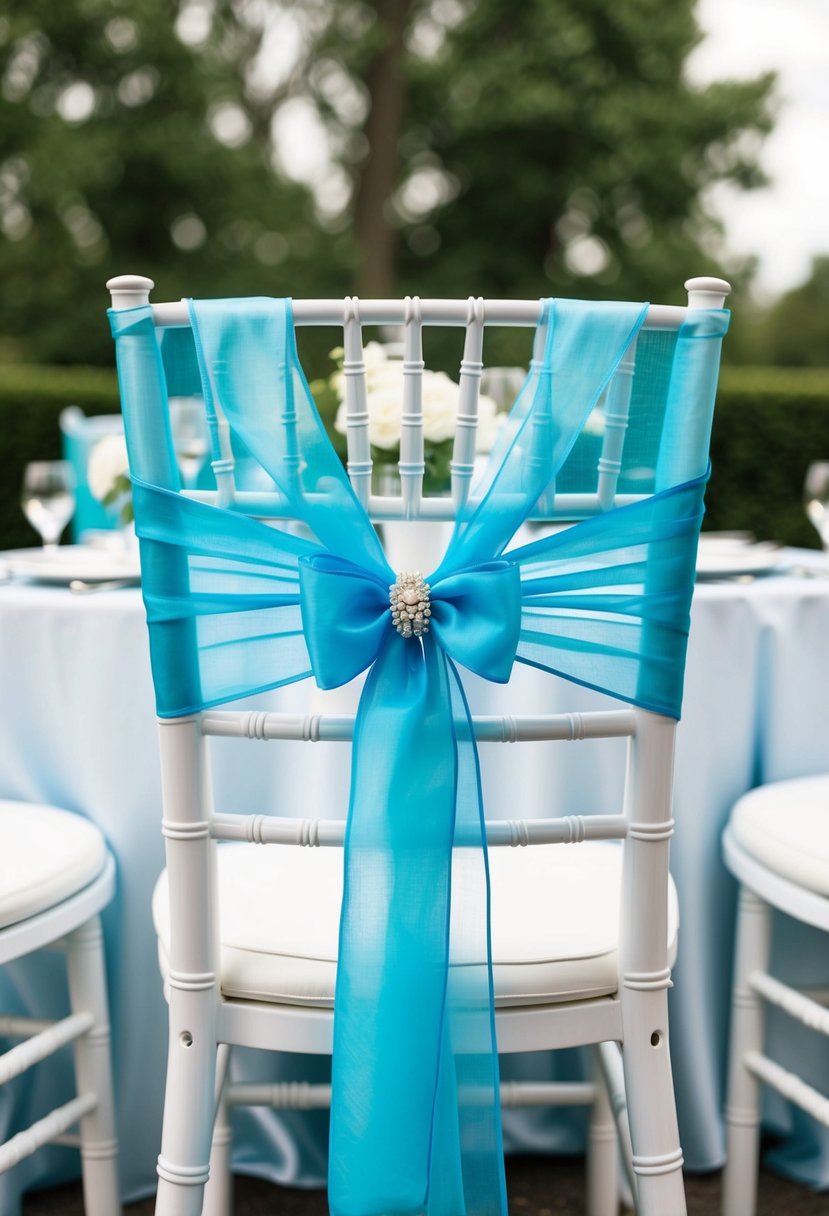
(476, 617)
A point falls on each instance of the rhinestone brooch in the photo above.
(409, 600)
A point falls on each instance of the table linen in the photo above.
(76, 703)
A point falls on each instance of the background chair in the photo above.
(56, 875)
(248, 939)
(777, 846)
(79, 434)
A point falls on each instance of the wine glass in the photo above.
(48, 498)
(816, 499)
(190, 438)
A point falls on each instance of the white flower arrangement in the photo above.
(107, 475)
(384, 401)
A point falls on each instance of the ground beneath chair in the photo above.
(537, 1186)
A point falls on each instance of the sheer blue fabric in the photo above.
(236, 606)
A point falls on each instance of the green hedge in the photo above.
(769, 423)
(31, 399)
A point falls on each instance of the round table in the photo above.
(76, 706)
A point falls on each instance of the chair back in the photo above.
(616, 412)
(625, 448)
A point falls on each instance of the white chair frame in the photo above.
(204, 1024)
(761, 892)
(74, 925)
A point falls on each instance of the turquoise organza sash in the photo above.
(235, 607)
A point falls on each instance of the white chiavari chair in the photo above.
(56, 876)
(248, 938)
(777, 847)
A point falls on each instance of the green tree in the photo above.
(552, 145)
(131, 142)
(553, 142)
(796, 328)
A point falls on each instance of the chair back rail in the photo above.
(330, 728)
(315, 833)
(384, 508)
(454, 313)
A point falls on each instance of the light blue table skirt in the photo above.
(78, 730)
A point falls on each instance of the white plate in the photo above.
(68, 562)
(723, 556)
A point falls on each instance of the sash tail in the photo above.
(406, 1099)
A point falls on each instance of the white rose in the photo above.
(380, 373)
(384, 410)
(440, 406)
(374, 358)
(384, 400)
(384, 378)
(107, 462)
(374, 355)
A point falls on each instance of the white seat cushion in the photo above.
(785, 826)
(46, 855)
(554, 922)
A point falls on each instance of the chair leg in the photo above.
(93, 1070)
(189, 1102)
(657, 1155)
(218, 1193)
(742, 1111)
(602, 1152)
(609, 1059)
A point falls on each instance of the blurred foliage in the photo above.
(31, 400)
(548, 146)
(791, 331)
(124, 149)
(573, 137)
(768, 425)
(543, 147)
(794, 332)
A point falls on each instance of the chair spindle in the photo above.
(463, 450)
(616, 414)
(411, 464)
(354, 371)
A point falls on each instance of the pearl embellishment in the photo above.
(409, 604)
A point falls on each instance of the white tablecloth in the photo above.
(78, 729)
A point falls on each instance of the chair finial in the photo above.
(129, 290)
(706, 292)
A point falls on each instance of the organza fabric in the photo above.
(236, 606)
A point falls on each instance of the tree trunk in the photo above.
(375, 236)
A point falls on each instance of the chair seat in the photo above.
(46, 855)
(785, 826)
(554, 922)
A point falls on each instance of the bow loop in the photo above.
(345, 616)
(476, 617)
